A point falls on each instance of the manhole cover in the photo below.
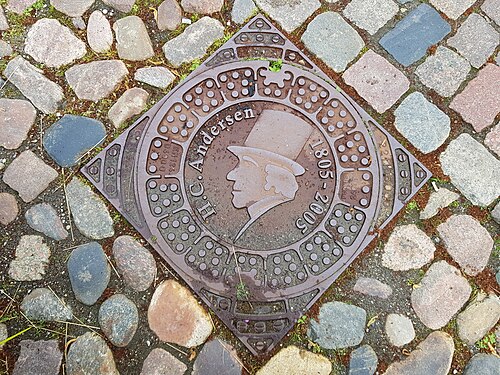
(258, 181)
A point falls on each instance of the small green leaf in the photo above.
(275, 66)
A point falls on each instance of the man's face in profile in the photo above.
(265, 175)
(249, 181)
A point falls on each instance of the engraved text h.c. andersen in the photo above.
(206, 138)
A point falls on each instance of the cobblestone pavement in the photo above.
(81, 293)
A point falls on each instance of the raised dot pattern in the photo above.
(204, 97)
(259, 24)
(180, 231)
(308, 95)
(320, 252)
(404, 175)
(345, 223)
(164, 196)
(336, 119)
(95, 170)
(260, 37)
(110, 175)
(353, 151)
(208, 257)
(418, 174)
(285, 269)
(178, 123)
(237, 84)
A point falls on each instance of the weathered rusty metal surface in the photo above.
(259, 187)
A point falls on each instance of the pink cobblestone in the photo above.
(492, 140)
(379, 82)
(479, 103)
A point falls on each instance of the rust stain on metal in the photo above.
(259, 187)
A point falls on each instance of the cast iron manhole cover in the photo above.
(259, 185)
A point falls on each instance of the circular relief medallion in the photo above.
(259, 177)
(260, 165)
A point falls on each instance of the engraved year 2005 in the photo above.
(317, 208)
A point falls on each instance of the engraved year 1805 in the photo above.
(317, 208)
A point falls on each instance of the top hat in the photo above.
(279, 135)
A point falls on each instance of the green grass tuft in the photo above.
(275, 65)
(486, 341)
(242, 291)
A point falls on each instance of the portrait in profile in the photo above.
(266, 173)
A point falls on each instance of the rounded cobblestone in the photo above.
(434, 307)
(119, 318)
(339, 325)
(444, 71)
(408, 248)
(134, 262)
(175, 316)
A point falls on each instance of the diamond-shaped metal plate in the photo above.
(259, 185)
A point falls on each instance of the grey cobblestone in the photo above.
(5, 49)
(370, 15)
(4, 24)
(99, 34)
(89, 212)
(169, 15)
(472, 169)
(433, 307)
(343, 41)
(82, 78)
(41, 91)
(156, 76)
(444, 71)
(422, 123)
(339, 325)
(475, 40)
(132, 39)
(242, 10)
(124, 6)
(53, 44)
(289, 14)
(19, 6)
(492, 10)
(193, 42)
(452, 8)
(72, 8)
(432, 356)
